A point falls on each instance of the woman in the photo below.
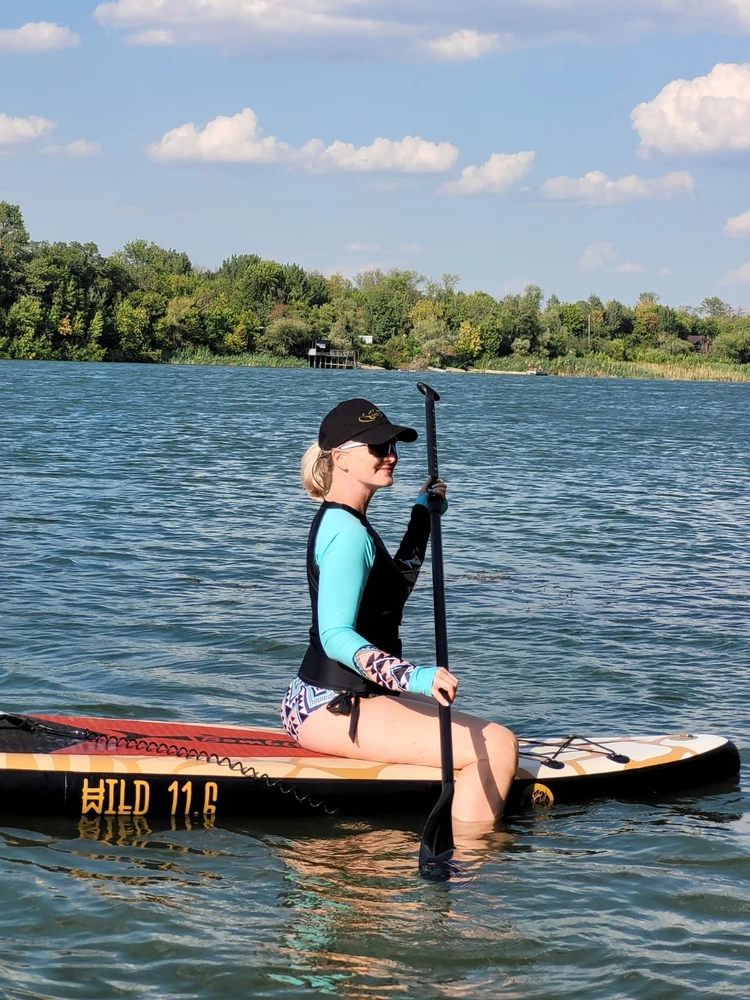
(353, 667)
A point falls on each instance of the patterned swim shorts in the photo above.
(300, 701)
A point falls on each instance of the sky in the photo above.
(588, 146)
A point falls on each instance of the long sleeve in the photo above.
(393, 673)
(411, 551)
(345, 554)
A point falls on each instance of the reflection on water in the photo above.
(135, 830)
(597, 561)
(360, 912)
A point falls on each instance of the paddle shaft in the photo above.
(438, 580)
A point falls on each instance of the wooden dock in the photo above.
(322, 356)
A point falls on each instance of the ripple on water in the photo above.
(596, 559)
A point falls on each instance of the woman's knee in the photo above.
(502, 745)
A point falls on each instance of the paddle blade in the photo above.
(437, 845)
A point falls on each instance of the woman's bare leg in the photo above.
(406, 731)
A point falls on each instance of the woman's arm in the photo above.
(411, 551)
(393, 673)
(345, 553)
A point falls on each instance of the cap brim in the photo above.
(387, 432)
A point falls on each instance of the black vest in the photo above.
(378, 619)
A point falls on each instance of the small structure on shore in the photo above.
(698, 343)
(323, 355)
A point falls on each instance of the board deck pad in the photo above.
(61, 763)
(239, 742)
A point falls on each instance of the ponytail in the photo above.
(316, 472)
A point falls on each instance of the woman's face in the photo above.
(370, 465)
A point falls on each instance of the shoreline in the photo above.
(559, 368)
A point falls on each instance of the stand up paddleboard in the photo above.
(60, 766)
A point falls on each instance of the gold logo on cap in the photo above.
(367, 418)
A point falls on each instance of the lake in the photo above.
(598, 582)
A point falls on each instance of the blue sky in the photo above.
(490, 138)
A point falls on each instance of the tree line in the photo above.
(66, 301)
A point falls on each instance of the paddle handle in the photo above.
(438, 578)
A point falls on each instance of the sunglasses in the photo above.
(377, 450)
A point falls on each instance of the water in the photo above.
(597, 569)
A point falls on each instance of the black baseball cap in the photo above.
(360, 420)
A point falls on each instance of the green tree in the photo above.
(284, 336)
(303, 291)
(617, 322)
(715, 308)
(559, 341)
(437, 344)
(14, 252)
(135, 333)
(151, 268)
(521, 323)
(67, 301)
(482, 312)
(92, 349)
(342, 321)
(27, 338)
(733, 345)
(645, 322)
(469, 343)
(387, 300)
(573, 318)
(14, 237)
(183, 323)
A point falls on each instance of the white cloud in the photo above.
(79, 148)
(17, 130)
(413, 248)
(236, 139)
(412, 27)
(500, 173)
(252, 24)
(37, 36)
(362, 248)
(666, 272)
(239, 139)
(740, 276)
(596, 188)
(709, 114)
(597, 254)
(155, 37)
(410, 155)
(464, 45)
(627, 267)
(738, 227)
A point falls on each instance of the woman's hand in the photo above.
(444, 687)
(440, 488)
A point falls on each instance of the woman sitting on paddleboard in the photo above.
(353, 667)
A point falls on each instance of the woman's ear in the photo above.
(340, 460)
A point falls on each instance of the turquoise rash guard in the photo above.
(345, 554)
(357, 591)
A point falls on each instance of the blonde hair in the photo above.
(316, 472)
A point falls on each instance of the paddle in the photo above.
(437, 839)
